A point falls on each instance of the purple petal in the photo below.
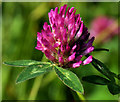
(73, 48)
(73, 33)
(45, 42)
(88, 60)
(62, 10)
(71, 24)
(48, 45)
(62, 48)
(90, 42)
(50, 16)
(75, 65)
(67, 13)
(67, 47)
(79, 32)
(78, 58)
(56, 10)
(39, 36)
(58, 43)
(48, 37)
(40, 47)
(78, 21)
(45, 26)
(67, 16)
(65, 36)
(61, 60)
(72, 57)
(88, 50)
(73, 14)
(71, 10)
(49, 56)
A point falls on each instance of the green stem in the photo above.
(35, 88)
(37, 83)
(81, 97)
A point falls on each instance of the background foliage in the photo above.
(20, 23)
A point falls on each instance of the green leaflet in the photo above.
(95, 79)
(33, 71)
(69, 78)
(103, 69)
(114, 88)
(24, 63)
(101, 49)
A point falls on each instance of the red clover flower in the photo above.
(104, 28)
(66, 40)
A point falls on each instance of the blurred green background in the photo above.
(20, 23)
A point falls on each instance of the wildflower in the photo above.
(66, 40)
(103, 28)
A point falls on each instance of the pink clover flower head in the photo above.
(66, 40)
(103, 28)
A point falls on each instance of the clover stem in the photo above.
(35, 88)
(81, 97)
(37, 83)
